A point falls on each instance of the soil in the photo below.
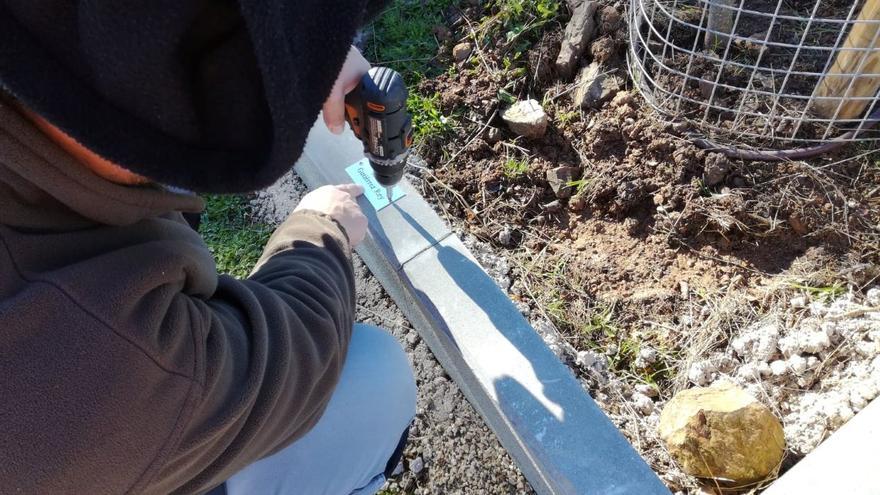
(666, 253)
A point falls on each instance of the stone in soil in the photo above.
(716, 169)
(722, 432)
(526, 118)
(578, 32)
(595, 88)
(560, 179)
(462, 51)
(609, 20)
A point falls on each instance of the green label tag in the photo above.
(361, 173)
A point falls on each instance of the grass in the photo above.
(825, 293)
(514, 168)
(402, 38)
(232, 235)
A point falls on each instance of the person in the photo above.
(128, 365)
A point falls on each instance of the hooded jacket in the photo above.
(128, 365)
(207, 95)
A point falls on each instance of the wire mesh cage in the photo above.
(761, 74)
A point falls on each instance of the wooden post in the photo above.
(836, 82)
(719, 19)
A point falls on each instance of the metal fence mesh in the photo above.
(761, 74)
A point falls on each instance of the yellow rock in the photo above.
(722, 432)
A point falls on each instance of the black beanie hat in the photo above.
(207, 95)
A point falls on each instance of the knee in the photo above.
(392, 382)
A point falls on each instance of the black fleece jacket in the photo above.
(208, 95)
(127, 365)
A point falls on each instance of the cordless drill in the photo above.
(376, 111)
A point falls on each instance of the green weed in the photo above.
(519, 21)
(514, 168)
(578, 185)
(234, 238)
(601, 323)
(428, 121)
(825, 293)
(566, 117)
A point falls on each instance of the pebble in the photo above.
(647, 390)
(505, 237)
(778, 367)
(462, 51)
(872, 298)
(647, 356)
(526, 118)
(417, 465)
(642, 404)
(702, 372)
(757, 343)
(590, 359)
(798, 302)
(797, 364)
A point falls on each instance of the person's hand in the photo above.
(338, 202)
(334, 108)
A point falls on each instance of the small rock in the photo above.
(526, 118)
(798, 302)
(872, 297)
(642, 404)
(756, 343)
(603, 49)
(647, 390)
(462, 51)
(560, 179)
(646, 357)
(492, 135)
(590, 359)
(398, 470)
(505, 237)
(808, 339)
(778, 367)
(609, 20)
(417, 465)
(595, 88)
(797, 364)
(552, 207)
(717, 167)
(578, 32)
(722, 432)
(798, 225)
(680, 127)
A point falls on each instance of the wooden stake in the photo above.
(719, 19)
(836, 82)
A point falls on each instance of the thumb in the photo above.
(353, 190)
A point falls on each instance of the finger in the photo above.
(353, 190)
(334, 110)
